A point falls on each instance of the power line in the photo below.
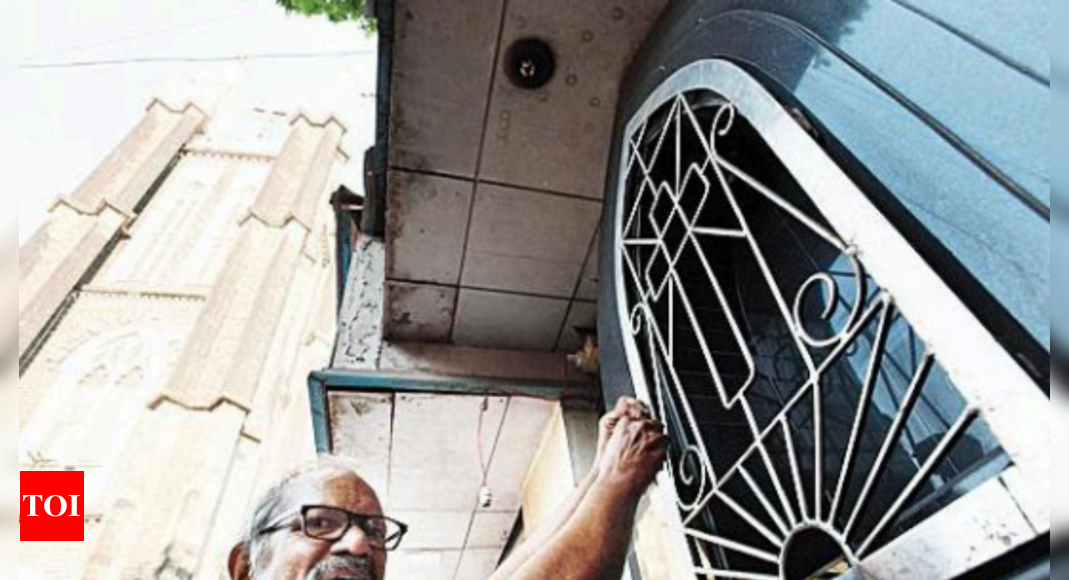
(183, 59)
(180, 28)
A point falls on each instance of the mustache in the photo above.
(349, 567)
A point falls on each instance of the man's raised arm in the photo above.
(589, 539)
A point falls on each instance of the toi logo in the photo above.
(52, 506)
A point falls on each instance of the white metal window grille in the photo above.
(812, 425)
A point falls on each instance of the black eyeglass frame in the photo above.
(389, 544)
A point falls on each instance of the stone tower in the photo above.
(169, 312)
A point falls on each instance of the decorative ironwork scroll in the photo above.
(811, 426)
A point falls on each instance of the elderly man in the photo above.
(326, 523)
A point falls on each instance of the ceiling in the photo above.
(496, 192)
(422, 453)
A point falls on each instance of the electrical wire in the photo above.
(484, 466)
(176, 29)
(211, 59)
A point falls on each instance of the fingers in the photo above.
(636, 431)
(642, 424)
(654, 444)
(635, 452)
(626, 408)
(632, 408)
(608, 423)
(643, 432)
(655, 435)
(659, 443)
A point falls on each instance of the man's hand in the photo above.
(634, 455)
(590, 538)
(626, 407)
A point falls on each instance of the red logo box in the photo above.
(53, 506)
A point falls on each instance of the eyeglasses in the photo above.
(330, 524)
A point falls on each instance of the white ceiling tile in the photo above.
(508, 321)
(581, 315)
(492, 530)
(435, 472)
(478, 564)
(522, 434)
(443, 58)
(423, 565)
(521, 274)
(361, 425)
(435, 530)
(435, 459)
(427, 223)
(419, 312)
(558, 138)
(528, 242)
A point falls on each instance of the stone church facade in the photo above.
(169, 313)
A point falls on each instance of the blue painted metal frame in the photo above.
(317, 398)
(374, 221)
(345, 228)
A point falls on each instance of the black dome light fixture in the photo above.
(530, 64)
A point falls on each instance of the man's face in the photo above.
(290, 555)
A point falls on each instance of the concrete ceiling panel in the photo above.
(528, 242)
(478, 564)
(581, 315)
(436, 471)
(423, 565)
(508, 321)
(435, 459)
(427, 224)
(432, 447)
(492, 530)
(439, 531)
(361, 426)
(419, 312)
(557, 138)
(521, 435)
(588, 282)
(443, 59)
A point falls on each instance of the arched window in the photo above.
(826, 393)
(99, 392)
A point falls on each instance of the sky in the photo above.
(59, 123)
